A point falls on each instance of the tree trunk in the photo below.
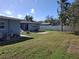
(62, 29)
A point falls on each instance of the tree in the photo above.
(49, 19)
(64, 5)
(73, 15)
(29, 18)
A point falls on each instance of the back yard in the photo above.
(51, 45)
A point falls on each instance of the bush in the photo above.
(76, 32)
(28, 32)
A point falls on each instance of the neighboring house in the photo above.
(9, 27)
(45, 24)
(29, 26)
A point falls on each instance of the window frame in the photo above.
(2, 25)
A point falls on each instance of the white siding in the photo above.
(33, 27)
(5, 30)
(14, 26)
(11, 26)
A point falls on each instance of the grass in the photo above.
(52, 45)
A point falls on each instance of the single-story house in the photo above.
(45, 24)
(9, 27)
(29, 26)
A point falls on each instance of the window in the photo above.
(1, 25)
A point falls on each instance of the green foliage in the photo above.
(64, 6)
(73, 15)
(29, 18)
(63, 1)
(28, 32)
(49, 19)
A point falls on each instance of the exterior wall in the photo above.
(24, 26)
(33, 27)
(5, 30)
(11, 27)
(30, 27)
(14, 26)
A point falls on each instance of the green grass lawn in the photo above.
(53, 45)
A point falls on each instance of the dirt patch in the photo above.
(43, 33)
(73, 48)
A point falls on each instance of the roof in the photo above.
(10, 18)
(45, 23)
(25, 21)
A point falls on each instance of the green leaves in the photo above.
(29, 18)
(63, 1)
(63, 13)
(49, 19)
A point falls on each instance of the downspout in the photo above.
(8, 31)
(8, 26)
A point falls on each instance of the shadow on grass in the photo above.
(75, 33)
(14, 41)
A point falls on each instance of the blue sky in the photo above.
(39, 9)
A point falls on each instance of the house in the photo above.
(9, 27)
(45, 24)
(29, 26)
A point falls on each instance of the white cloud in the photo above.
(27, 14)
(10, 14)
(20, 16)
(7, 12)
(32, 11)
(1, 14)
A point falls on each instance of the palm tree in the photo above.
(29, 18)
(64, 5)
(49, 19)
